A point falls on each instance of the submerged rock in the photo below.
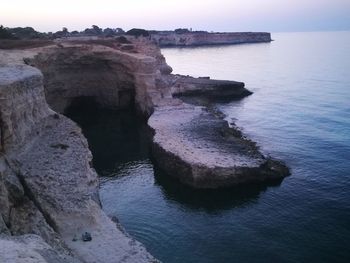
(206, 88)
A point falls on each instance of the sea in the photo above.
(299, 112)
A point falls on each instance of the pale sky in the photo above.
(211, 15)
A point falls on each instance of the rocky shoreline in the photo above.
(198, 147)
(49, 189)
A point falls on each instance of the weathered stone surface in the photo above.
(22, 104)
(67, 193)
(15, 57)
(107, 74)
(47, 183)
(26, 218)
(30, 249)
(165, 39)
(199, 148)
(206, 88)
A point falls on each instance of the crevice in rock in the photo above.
(2, 139)
(7, 224)
(31, 196)
(28, 192)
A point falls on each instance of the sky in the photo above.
(210, 15)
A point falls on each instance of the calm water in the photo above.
(299, 112)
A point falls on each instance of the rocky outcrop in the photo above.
(22, 104)
(114, 78)
(48, 186)
(169, 38)
(206, 88)
(198, 147)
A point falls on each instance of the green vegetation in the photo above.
(29, 33)
(26, 33)
(181, 31)
(5, 33)
(137, 32)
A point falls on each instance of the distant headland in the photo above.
(179, 37)
(49, 189)
(185, 37)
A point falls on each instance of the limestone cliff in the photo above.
(113, 77)
(48, 186)
(169, 38)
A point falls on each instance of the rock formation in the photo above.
(198, 147)
(204, 87)
(171, 38)
(49, 188)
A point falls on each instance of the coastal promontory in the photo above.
(187, 38)
(49, 198)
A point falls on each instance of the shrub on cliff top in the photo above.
(181, 31)
(26, 33)
(6, 34)
(93, 31)
(136, 32)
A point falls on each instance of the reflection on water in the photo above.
(172, 220)
(208, 199)
(299, 112)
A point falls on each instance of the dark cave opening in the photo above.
(115, 137)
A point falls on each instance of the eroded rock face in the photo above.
(116, 79)
(73, 72)
(22, 104)
(48, 186)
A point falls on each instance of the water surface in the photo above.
(299, 112)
